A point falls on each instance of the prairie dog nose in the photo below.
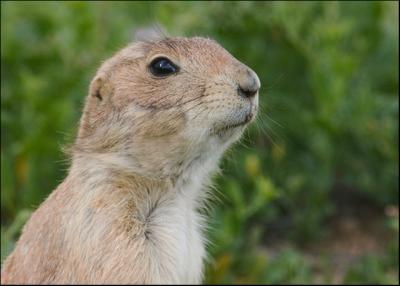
(248, 83)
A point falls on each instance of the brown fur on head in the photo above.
(155, 125)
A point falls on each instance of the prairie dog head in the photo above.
(159, 107)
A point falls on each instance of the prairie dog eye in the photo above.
(162, 67)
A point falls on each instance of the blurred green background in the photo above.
(311, 193)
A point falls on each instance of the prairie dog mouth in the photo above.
(247, 119)
(227, 127)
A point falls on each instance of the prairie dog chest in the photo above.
(174, 231)
(176, 226)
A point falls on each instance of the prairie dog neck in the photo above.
(99, 174)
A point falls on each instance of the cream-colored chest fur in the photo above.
(175, 244)
(175, 240)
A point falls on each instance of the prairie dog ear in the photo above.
(99, 95)
(150, 33)
(98, 89)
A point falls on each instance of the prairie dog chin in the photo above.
(158, 116)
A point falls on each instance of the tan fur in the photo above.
(128, 210)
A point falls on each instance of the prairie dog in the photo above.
(158, 116)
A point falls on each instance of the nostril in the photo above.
(247, 92)
(248, 83)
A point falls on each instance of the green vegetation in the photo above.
(328, 122)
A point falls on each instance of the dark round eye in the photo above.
(162, 67)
